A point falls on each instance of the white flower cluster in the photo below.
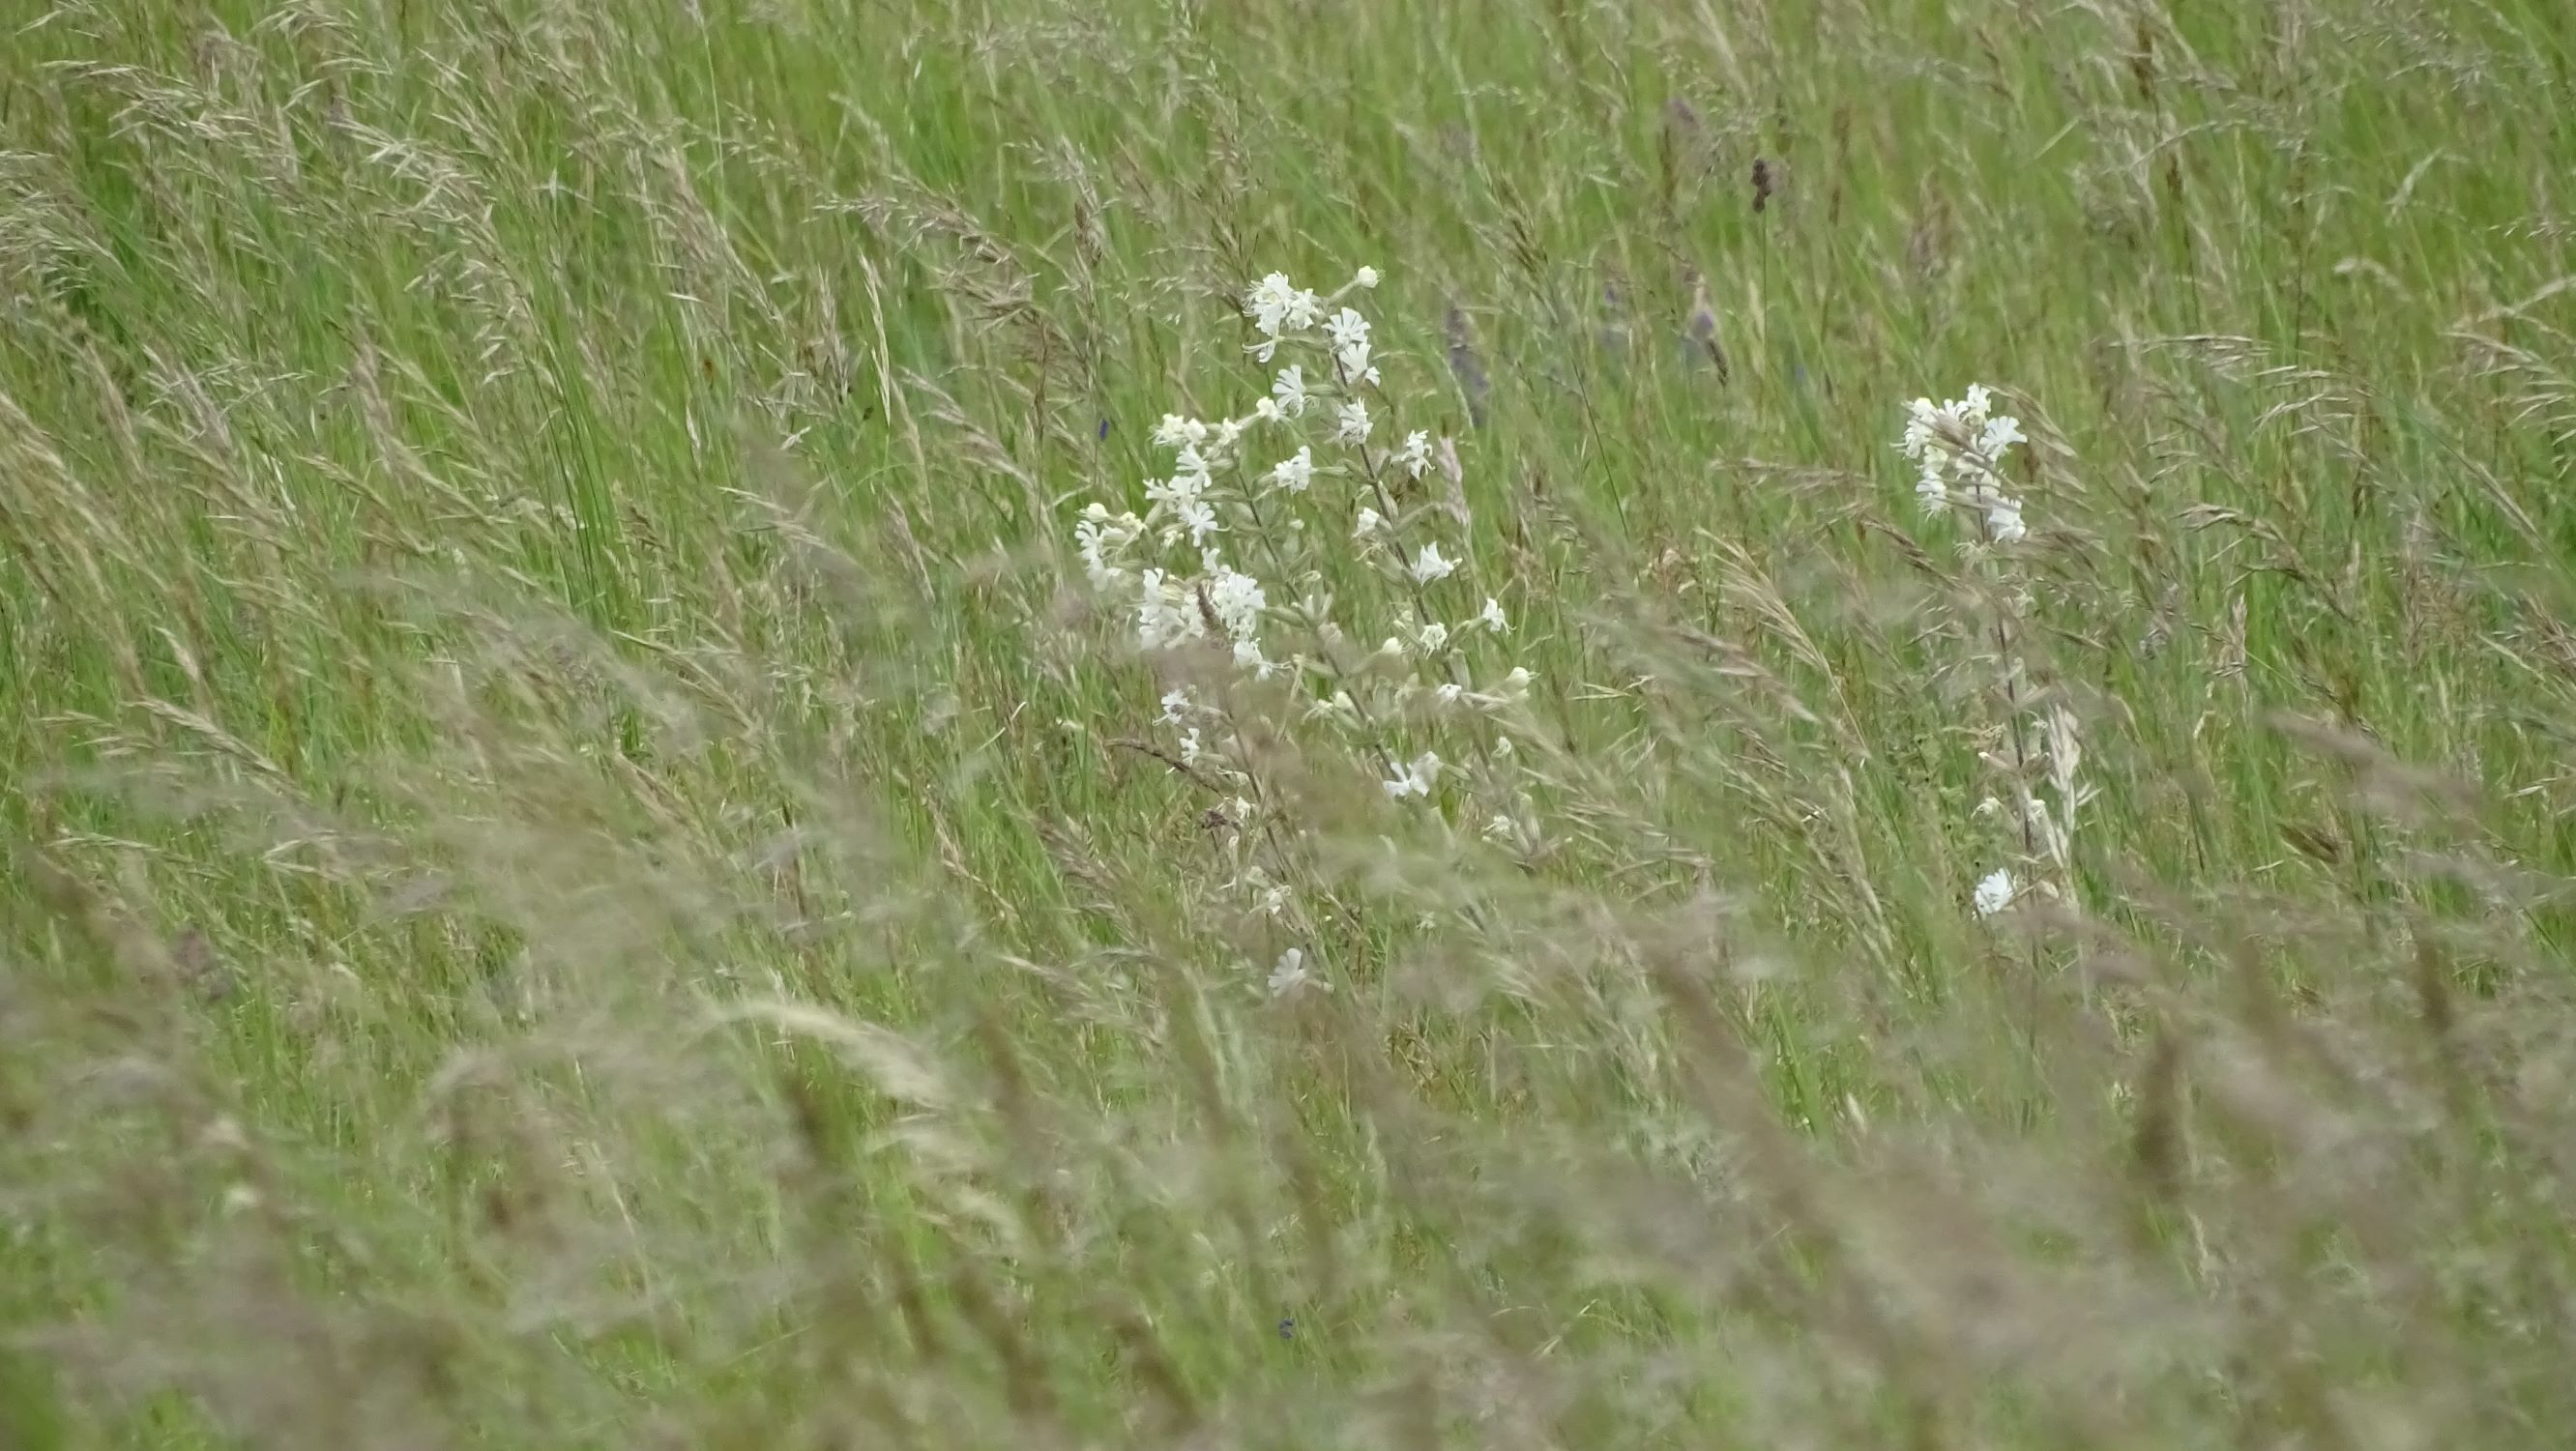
(1960, 447)
(1181, 566)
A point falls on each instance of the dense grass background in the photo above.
(571, 879)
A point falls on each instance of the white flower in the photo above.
(1429, 566)
(1350, 335)
(1290, 974)
(1236, 600)
(1448, 692)
(1347, 328)
(1178, 498)
(1995, 893)
(1393, 648)
(1492, 618)
(2003, 520)
(1175, 430)
(1433, 637)
(1295, 474)
(1279, 306)
(1101, 539)
(1416, 453)
(1370, 522)
(1366, 278)
(1165, 612)
(1248, 656)
(1267, 410)
(1191, 750)
(1177, 704)
(1354, 425)
(1289, 388)
(1415, 779)
(1199, 519)
(1960, 448)
(1922, 420)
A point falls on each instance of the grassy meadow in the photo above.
(585, 861)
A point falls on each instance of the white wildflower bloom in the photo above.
(1177, 705)
(1921, 421)
(1191, 750)
(1433, 637)
(1248, 658)
(1181, 499)
(1229, 432)
(1175, 430)
(1415, 778)
(1960, 447)
(1290, 974)
(1429, 566)
(1235, 599)
(1297, 473)
(1353, 423)
(2003, 520)
(1278, 306)
(1102, 542)
(1289, 389)
(1370, 522)
(1995, 893)
(1393, 648)
(1267, 410)
(1365, 279)
(1492, 617)
(1350, 334)
(1166, 613)
(1416, 453)
(1502, 828)
(1448, 692)
(1346, 328)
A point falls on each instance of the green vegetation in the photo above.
(581, 866)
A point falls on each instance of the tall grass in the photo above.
(583, 869)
